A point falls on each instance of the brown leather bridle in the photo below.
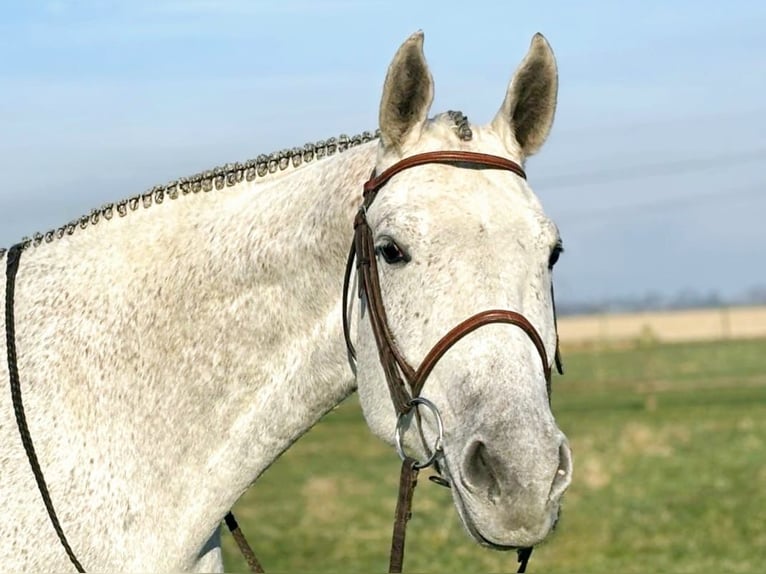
(399, 373)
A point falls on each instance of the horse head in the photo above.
(449, 241)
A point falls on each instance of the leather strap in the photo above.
(473, 159)
(408, 479)
(469, 326)
(12, 266)
(523, 555)
(242, 544)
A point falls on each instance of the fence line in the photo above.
(665, 326)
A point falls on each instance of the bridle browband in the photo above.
(398, 372)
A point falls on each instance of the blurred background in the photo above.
(653, 172)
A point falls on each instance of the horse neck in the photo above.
(218, 339)
(278, 317)
(277, 313)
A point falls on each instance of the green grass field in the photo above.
(670, 476)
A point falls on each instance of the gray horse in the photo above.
(173, 345)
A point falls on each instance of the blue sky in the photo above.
(653, 171)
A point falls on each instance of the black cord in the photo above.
(524, 554)
(13, 257)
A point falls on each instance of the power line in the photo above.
(730, 195)
(677, 167)
(711, 117)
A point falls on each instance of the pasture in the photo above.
(670, 472)
(712, 324)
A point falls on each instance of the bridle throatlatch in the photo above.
(399, 373)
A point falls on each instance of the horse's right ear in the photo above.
(407, 94)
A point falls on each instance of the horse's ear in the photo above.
(530, 103)
(407, 93)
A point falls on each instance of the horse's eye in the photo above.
(391, 252)
(555, 254)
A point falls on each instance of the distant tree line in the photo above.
(652, 301)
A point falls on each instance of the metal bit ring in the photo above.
(439, 426)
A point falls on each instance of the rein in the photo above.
(405, 383)
(12, 266)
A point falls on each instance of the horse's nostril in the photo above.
(478, 472)
(563, 475)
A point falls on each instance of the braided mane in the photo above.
(220, 177)
(227, 175)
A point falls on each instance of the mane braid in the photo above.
(227, 175)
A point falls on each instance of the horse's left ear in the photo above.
(530, 103)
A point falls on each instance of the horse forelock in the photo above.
(219, 177)
(460, 124)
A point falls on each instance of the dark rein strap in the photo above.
(12, 266)
(244, 547)
(408, 480)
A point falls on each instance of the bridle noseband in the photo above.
(399, 373)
